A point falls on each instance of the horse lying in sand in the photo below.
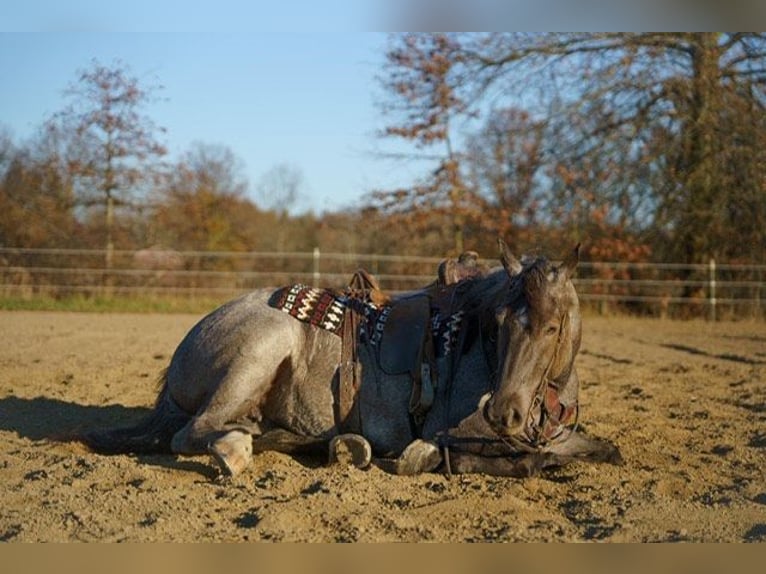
(471, 375)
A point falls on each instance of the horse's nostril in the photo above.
(505, 421)
(511, 420)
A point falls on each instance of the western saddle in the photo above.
(406, 343)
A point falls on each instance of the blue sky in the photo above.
(302, 98)
(277, 82)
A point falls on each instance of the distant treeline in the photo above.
(644, 147)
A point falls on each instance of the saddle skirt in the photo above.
(410, 335)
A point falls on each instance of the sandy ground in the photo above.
(684, 401)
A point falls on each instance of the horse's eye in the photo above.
(551, 330)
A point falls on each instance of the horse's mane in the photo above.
(497, 288)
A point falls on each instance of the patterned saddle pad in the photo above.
(319, 307)
(326, 309)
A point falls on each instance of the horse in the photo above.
(494, 388)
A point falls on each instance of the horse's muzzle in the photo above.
(507, 421)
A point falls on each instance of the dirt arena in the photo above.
(684, 401)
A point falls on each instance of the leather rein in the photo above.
(541, 429)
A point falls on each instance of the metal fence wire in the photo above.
(714, 290)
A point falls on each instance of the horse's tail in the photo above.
(151, 435)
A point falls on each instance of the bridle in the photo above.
(553, 418)
(547, 419)
(550, 425)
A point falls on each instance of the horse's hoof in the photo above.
(350, 449)
(233, 452)
(419, 456)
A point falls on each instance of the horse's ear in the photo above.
(570, 263)
(511, 264)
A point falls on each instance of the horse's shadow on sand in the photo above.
(55, 420)
(41, 418)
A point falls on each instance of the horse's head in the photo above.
(538, 337)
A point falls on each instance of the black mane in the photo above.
(498, 289)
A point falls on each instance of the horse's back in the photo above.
(238, 337)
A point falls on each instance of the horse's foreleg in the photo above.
(577, 447)
(519, 467)
(580, 447)
(419, 456)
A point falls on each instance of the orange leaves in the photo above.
(618, 247)
(420, 70)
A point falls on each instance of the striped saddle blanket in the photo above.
(319, 307)
(326, 309)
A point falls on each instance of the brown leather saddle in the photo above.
(407, 347)
(407, 338)
(404, 331)
(404, 341)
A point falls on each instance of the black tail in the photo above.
(151, 435)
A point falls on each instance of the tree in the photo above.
(655, 111)
(422, 74)
(654, 129)
(111, 145)
(35, 198)
(202, 205)
(504, 160)
(7, 149)
(280, 188)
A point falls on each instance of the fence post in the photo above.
(316, 267)
(712, 290)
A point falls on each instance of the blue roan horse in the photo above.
(477, 376)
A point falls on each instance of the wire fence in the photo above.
(713, 290)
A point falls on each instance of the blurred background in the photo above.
(202, 164)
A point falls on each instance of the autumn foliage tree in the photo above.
(504, 163)
(654, 137)
(35, 199)
(421, 75)
(202, 205)
(110, 144)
